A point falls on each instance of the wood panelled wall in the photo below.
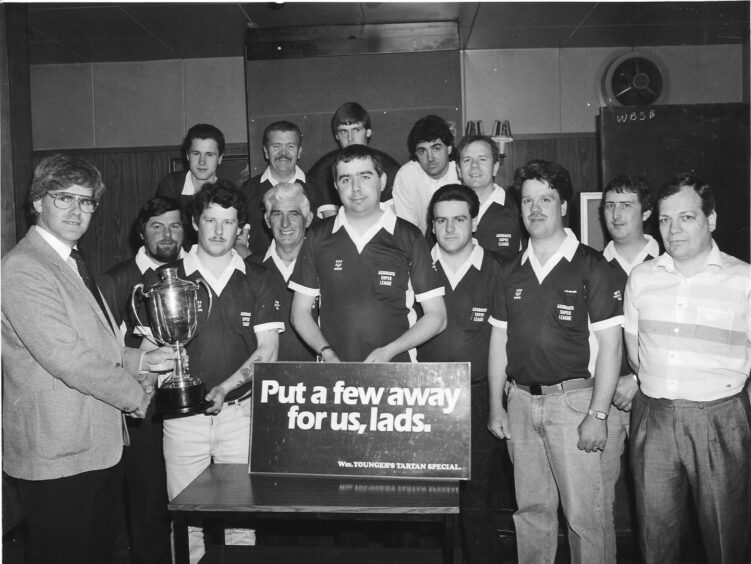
(132, 176)
(577, 152)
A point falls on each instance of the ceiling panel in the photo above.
(64, 32)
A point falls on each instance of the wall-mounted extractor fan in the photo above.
(633, 78)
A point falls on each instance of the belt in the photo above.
(566, 386)
(238, 401)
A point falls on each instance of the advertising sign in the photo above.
(353, 419)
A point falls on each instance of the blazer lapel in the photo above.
(67, 272)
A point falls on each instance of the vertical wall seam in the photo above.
(93, 104)
(185, 108)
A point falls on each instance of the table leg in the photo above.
(450, 554)
(180, 532)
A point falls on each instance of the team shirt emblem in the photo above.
(565, 312)
(245, 317)
(518, 294)
(479, 314)
(386, 277)
(503, 239)
(338, 265)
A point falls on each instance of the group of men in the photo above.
(364, 261)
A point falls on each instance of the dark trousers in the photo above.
(484, 498)
(73, 519)
(146, 493)
(703, 449)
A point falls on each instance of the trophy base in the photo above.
(185, 400)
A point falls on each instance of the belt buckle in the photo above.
(535, 389)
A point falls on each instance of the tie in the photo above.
(89, 281)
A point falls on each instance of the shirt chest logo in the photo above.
(479, 314)
(503, 239)
(565, 312)
(245, 318)
(518, 294)
(338, 263)
(617, 296)
(386, 277)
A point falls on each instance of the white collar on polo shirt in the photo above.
(299, 176)
(454, 277)
(191, 263)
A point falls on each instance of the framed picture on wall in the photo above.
(233, 167)
(590, 225)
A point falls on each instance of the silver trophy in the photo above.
(172, 305)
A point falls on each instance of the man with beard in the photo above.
(282, 147)
(160, 228)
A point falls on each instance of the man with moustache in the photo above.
(471, 278)
(67, 376)
(160, 228)
(688, 336)
(288, 216)
(243, 328)
(498, 228)
(282, 147)
(556, 341)
(351, 125)
(203, 149)
(431, 146)
(626, 205)
(368, 267)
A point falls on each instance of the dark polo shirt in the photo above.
(291, 346)
(468, 307)
(365, 295)
(549, 324)
(226, 337)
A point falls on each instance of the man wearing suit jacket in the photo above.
(67, 376)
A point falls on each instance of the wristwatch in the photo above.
(322, 350)
(598, 414)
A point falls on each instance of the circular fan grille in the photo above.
(634, 79)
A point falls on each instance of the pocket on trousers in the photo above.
(638, 413)
(578, 401)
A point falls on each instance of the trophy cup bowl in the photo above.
(172, 306)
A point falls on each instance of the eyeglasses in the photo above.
(64, 200)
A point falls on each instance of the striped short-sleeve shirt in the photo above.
(693, 332)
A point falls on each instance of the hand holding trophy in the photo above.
(173, 306)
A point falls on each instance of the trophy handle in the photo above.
(211, 301)
(138, 288)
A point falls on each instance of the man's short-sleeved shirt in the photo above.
(621, 269)
(471, 293)
(366, 293)
(499, 227)
(550, 323)
(291, 346)
(226, 338)
(694, 332)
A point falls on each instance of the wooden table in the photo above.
(224, 489)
